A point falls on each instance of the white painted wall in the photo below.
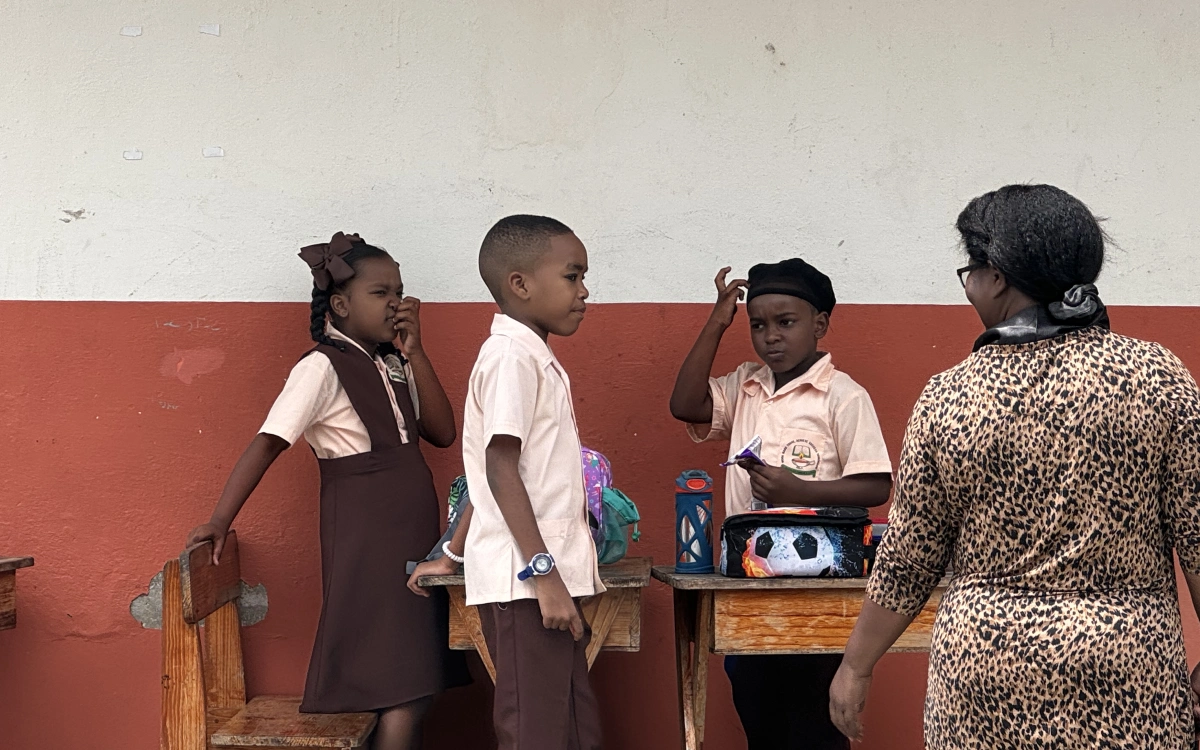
(674, 136)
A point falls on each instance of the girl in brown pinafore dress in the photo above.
(379, 646)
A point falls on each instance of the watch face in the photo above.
(542, 564)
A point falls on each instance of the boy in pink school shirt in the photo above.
(529, 555)
(822, 445)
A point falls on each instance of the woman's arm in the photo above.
(874, 633)
(919, 544)
(1181, 487)
(1193, 584)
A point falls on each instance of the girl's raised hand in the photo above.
(408, 325)
(727, 298)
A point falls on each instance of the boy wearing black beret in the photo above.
(822, 446)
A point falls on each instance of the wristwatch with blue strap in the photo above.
(541, 564)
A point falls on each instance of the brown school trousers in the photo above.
(544, 700)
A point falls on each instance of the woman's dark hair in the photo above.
(320, 299)
(1044, 240)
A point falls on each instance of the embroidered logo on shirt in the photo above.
(395, 368)
(801, 457)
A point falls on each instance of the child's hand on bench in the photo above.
(442, 566)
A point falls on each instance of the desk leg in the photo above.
(470, 620)
(693, 641)
(704, 644)
(8, 599)
(685, 637)
(601, 613)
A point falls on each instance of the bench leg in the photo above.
(601, 613)
(470, 620)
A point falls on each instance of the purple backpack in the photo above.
(597, 477)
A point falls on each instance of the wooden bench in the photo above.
(8, 589)
(203, 683)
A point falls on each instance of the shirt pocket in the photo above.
(567, 540)
(808, 454)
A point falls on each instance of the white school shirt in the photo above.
(314, 404)
(518, 388)
(821, 426)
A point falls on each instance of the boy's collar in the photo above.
(503, 325)
(819, 376)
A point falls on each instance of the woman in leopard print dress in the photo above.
(1053, 471)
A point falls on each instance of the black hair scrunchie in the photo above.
(1080, 301)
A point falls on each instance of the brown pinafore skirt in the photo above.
(378, 645)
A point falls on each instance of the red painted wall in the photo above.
(119, 423)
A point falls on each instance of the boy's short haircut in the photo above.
(514, 244)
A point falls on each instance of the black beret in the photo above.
(794, 278)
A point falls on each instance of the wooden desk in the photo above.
(8, 589)
(763, 616)
(615, 615)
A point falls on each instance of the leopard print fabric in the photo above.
(1054, 479)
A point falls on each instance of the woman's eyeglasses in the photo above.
(966, 270)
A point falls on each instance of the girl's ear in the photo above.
(339, 305)
(518, 284)
(821, 325)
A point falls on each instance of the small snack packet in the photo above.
(747, 455)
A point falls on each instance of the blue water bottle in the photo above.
(693, 522)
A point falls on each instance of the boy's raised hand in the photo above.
(408, 325)
(728, 296)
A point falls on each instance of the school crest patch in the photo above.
(801, 458)
(395, 368)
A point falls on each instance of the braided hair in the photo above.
(320, 308)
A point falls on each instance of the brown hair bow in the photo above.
(327, 260)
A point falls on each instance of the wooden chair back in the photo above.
(208, 587)
(200, 681)
(204, 702)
